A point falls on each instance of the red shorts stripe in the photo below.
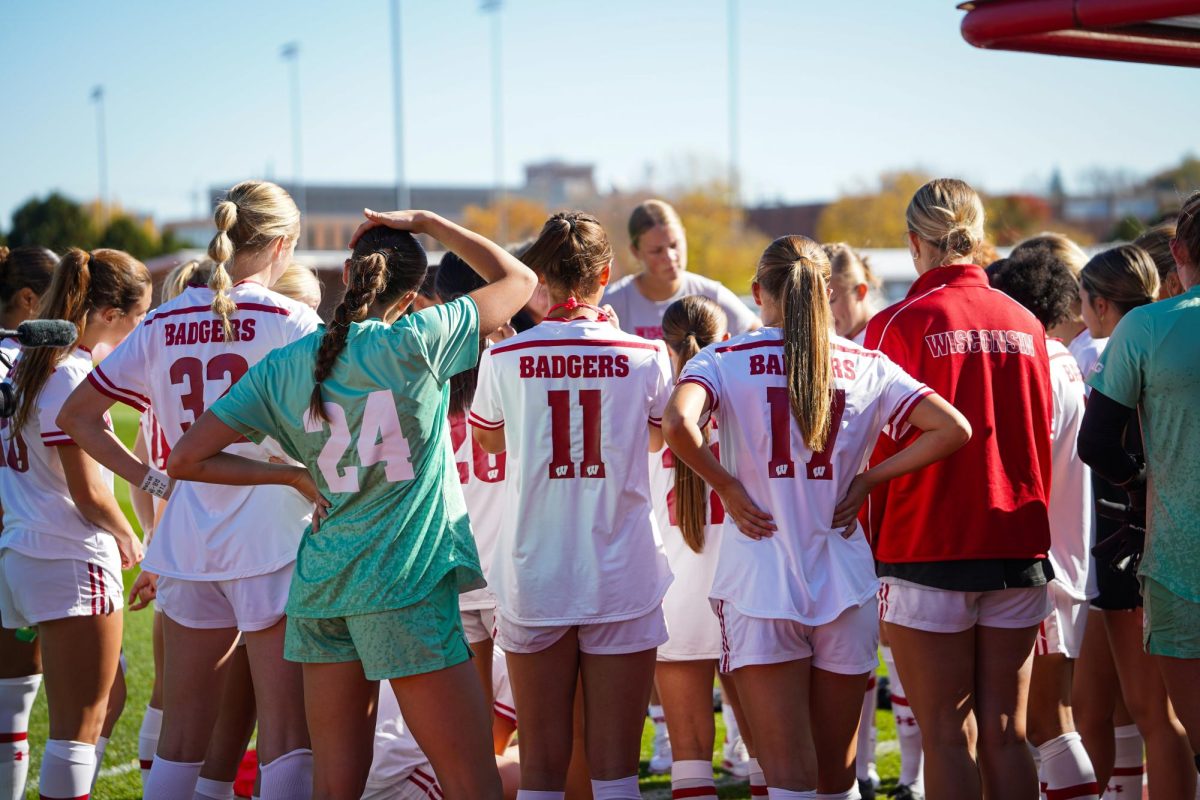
(897, 700)
(9, 738)
(758, 791)
(725, 659)
(1071, 792)
(92, 584)
(146, 763)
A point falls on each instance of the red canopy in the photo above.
(1146, 31)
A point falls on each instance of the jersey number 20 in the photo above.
(379, 439)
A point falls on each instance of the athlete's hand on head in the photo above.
(130, 549)
(143, 592)
(400, 220)
(304, 483)
(750, 519)
(845, 515)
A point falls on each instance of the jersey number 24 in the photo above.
(379, 439)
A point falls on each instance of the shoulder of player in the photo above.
(695, 283)
(618, 287)
(750, 340)
(254, 296)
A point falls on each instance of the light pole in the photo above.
(498, 193)
(102, 150)
(290, 53)
(403, 196)
(734, 188)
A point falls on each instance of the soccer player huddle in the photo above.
(511, 496)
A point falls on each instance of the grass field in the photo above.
(121, 780)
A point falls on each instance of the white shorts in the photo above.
(248, 604)
(925, 608)
(848, 645)
(693, 630)
(1062, 630)
(479, 624)
(34, 590)
(420, 785)
(602, 638)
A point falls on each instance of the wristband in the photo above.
(155, 483)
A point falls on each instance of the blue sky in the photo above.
(832, 93)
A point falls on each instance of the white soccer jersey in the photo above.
(1086, 351)
(40, 518)
(577, 543)
(806, 572)
(694, 630)
(155, 439)
(398, 758)
(1072, 529)
(177, 360)
(483, 477)
(638, 315)
(9, 349)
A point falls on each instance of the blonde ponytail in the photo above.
(252, 215)
(794, 270)
(689, 325)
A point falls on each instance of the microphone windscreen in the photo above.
(46, 333)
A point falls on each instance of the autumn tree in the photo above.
(872, 216)
(523, 218)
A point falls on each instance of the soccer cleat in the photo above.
(905, 792)
(736, 760)
(660, 759)
(866, 789)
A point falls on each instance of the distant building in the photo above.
(785, 220)
(333, 211)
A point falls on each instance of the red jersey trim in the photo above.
(856, 351)
(750, 345)
(479, 422)
(573, 343)
(713, 401)
(901, 414)
(201, 309)
(106, 387)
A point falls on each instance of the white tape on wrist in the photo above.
(155, 483)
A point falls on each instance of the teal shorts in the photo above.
(424, 637)
(1172, 624)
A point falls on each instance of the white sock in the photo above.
(659, 719)
(850, 794)
(208, 789)
(620, 789)
(171, 780)
(1128, 767)
(866, 732)
(788, 794)
(758, 781)
(67, 769)
(288, 776)
(732, 732)
(1066, 769)
(148, 739)
(16, 702)
(693, 776)
(101, 746)
(531, 794)
(912, 756)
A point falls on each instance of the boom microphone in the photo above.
(44, 333)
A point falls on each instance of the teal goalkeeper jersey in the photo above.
(398, 522)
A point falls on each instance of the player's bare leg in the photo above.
(685, 689)
(616, 690)
(1170, 769)
(943, 700)
(340, 704)
(1003, 666)
(543, 685)
(444, 710)
(835, 704)
(235, 723)
(1095, 695)
(775, 700)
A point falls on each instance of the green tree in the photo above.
(56, 222)
(125, 233)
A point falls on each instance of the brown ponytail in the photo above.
(795, 271)
(82, 282)
(691, 324)
(385, 265)
(571, 252)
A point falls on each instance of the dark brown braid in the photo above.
(386, 264)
